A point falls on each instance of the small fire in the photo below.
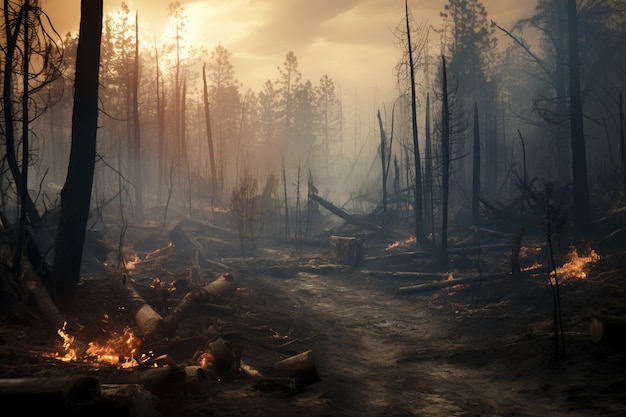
(574, 268)
(68, 340)
(131, 261)
(119, 350)
(410, 240)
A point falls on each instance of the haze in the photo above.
(350, 40)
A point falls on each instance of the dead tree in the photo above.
(445, 161)
(139, 216)
(418, 206)
(476, 170)
(76, 193)
(207, 116)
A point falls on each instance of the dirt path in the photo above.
(380, 354)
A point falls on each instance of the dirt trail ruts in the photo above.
(380, 354)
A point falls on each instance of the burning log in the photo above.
(608, 330)
(448, 283)
(344, 215)
(221, 286)
(150, 322)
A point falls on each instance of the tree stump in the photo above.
(346, 250)
(608, 330)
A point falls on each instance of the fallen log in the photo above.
(223, 285)
(189, 246)
(163, 381)
(149, 322)
(301, 367)
(433, 286)
(344, 215)
(53, 316)
(431, 276)
(123, 400)
(39, 395)
(607, 329)
(209, 228)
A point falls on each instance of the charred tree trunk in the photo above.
(207, 116)
(429, 209)
(160, 110)
(383, 149)
(76, 193)
(582, 214)
(476, 170)
(418, 206)
(445, 162)
(139, 216)
(622, 136)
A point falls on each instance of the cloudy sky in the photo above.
(350, 40)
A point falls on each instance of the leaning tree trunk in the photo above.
(76, 193)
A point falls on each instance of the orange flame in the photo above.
(131, 262)
(397, 243)
(70, 352)
(575, 267)
(118, 350)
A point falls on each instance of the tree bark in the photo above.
(76, 193)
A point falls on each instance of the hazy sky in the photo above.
(350, 40)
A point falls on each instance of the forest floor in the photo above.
(480, 349)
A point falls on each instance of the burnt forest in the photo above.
(177, 243)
